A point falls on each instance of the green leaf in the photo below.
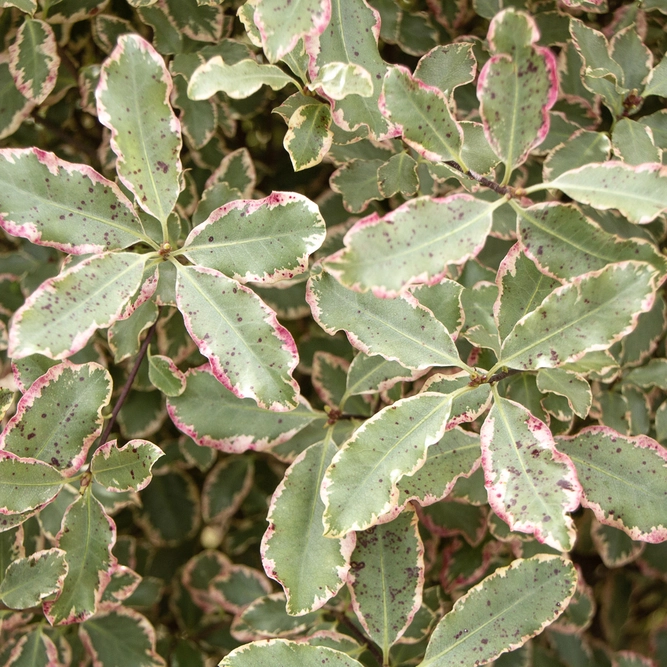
(657, 80)
(59, 317)
(653, 374)
(580, 148)
(283, 652)
(614, 546)
(165, 375)
(410, 244)
(423, 116)
(29, 580)
(250, 352)
(633, 142)
(568, 384)
(590, 313)
(455, 455)
(239, 80)
(357, 181)
(360, 486)
(195, 20)
(70, 11)
(638, 192)
(531, 485)
(125, 468)
(623, 480)
(60, 416)
(86, 537)
(27, 6)
(26, 485)
(387, 589)
(399, 329)
(63, 205)
(282, 23)
(263, 240)
(34, 648)
(226, 485)
(517, 86)
(502, 612)
(310, 567)
(368, 375)
(14, 108)
(214, 417)
(34, 60)
(447, 67)
(133, 102)
(398, 174)
(565, 243)
(122, 636)
(308, 137)
(199, 119)
(338, 80)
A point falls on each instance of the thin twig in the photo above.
(482, 180)
(128, 384)
(360, 636)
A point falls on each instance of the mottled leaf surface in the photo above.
(133, 101)
(502, 612)
(623, 480)
(126, 468)
(412, 244)
(29, 580)
(26, 485)
(280, 651)
(250, 352)
(309, 136)
(360, 485)
(63, 205)
(263, 240)
(530, 484)
(576, 390)
(310, 567)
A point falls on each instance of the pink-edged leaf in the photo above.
(225, 487)
(284, 652)
(59, 317)
(282, 23)
(63, 205)
(250, 352)
(412, 244)
(516, 88)
(120, 636)
(263, 240)
(624, 480)
(310, 567)
(60, 416)
(122, 583)
(33, 647)
(165, 375)
(125, 468)
(215, 417)
(387, 579)
(133, 101)
(34, 60)
(86, 536)
(29, 580)
(531, 485)
(26, 484)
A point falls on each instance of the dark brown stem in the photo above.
(128, 384)
(482, 180)
(342, 618)
(501, 375)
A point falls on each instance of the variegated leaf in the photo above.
(338, 80)
(516, 88)
(447, 67)
(34, 60)
(14, 108)
(309, 136)
(623, 479)
(26, 484)
(250, 352)
(63, 205)
(125, 468)
(576, 390)
(133, 101)
(360, 486)
(414, 243)
(263, 240)
(29, 580)
(531, 485)
(310, 567)
(398, 329)
(283, 652)
(58, 318)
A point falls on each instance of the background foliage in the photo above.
(386, 275)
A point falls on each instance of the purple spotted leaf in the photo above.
(623, 480)
(86, 537)
(34, 60)
(360, 486)
(63, 205)
(25, 485)
(502, 612)
(60, 416)
(59, 317)
(310, 567)
(126, 468)
(263, 240)
(133, 101)
(28, 581)
(516, 88)
(387, 578)
(411, 245)
(215, 417)
(249, 351)
(589, 313)
(531, 485)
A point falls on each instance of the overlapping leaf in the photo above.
(29, 580)
(26, 485)
(283, 652)
(125, 468)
